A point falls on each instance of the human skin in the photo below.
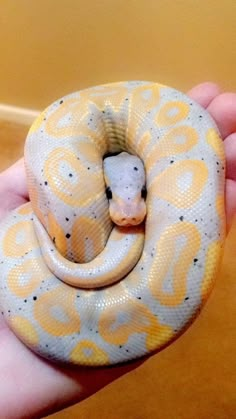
(30, 386)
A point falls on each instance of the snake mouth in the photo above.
(129, 224)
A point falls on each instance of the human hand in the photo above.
(29, 385)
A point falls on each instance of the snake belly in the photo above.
(163, 292)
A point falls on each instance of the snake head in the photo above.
(125, 189)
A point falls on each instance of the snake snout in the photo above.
(128, 216)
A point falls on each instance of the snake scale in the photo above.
(74, 287)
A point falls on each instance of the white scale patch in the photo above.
(68, 173)
(173, 112)
(88, 352)
(147, 94)
(179, 139)
(89, 247)
(24, 279)
(59, 314)
(65, 120)
(20, 237)
(121, 319)
(185, 181)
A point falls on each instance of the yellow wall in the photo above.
(52, 47)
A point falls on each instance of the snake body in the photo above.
(73, 287)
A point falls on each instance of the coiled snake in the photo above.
(74, 287)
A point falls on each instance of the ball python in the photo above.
(75, 287)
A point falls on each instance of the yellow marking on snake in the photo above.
(23, 279)
(27, 331)
(74, 287)
(88, 353)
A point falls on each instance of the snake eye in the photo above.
(144, 192)
(108, 192)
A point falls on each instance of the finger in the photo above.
(30, 384)
(204, 93)
(13, 188)
(230, 154)
(230, 190)
(27, 384)
(223, 109)
(15, 179)
(230, 199)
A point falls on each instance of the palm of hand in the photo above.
(19, 366)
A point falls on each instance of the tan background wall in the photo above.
(52, 47)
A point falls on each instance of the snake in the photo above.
(118, 248)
